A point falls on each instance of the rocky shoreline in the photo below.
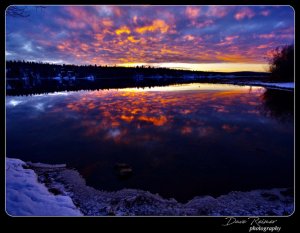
(132, 202)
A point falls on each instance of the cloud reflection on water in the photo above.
(131, 115)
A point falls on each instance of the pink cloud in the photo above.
(228, 40)
(71, 24)
(244, 13)
(263, 46)
(189, 37)
(265, 13)
(204, 23)
(217, 11)
(266, 36)
(231, 38)
(192, 12)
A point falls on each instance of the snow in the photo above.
(14, 102)
(44, 165)
(223, 76)
(90, 78)
(290, 85)
(134, 202)
(25, 196)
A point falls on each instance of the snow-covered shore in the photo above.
(286, 85)
(25, 196)
(280, 86)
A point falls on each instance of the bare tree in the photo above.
(20, 11)
(17, 11)
(282, 63)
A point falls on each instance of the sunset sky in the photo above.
(209, 38)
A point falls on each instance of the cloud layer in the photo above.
(149, 34)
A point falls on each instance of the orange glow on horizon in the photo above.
(214, 67)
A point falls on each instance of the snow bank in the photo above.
(25, 196)
(44, 165)
(289, 85)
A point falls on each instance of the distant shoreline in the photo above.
(98, 84)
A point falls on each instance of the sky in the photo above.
(208, 38)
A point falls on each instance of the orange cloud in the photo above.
(99, 37)
(157, 25)
(157, 121)
(186, 130)
(127, 118)
(64, 46)
(263, 46)
(131, 39)
(84, 47)
(123, 29)
(107, 22)
(233, 58)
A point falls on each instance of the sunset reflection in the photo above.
(191, 130)
(128, 115)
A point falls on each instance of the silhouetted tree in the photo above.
(282, 63)
(17, 11)
(278, 104)
(20, 11)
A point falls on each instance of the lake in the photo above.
(180, 141)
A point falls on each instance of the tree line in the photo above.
(18, 69)
(282, 63)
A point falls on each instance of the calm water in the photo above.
(180, 141)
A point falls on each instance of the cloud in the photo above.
(265, 13)
(189, 37)
(123, 29)
(244, 13)
(266, 36)
(192, 12)
(149, 34)
(157, 25)
(217, 11)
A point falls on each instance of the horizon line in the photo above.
(156, 66)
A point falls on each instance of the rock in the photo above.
(55, 191)
(270, 196)
(289, 192)
(121, 165)
(124, 170)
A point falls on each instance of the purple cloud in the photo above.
(149, 34)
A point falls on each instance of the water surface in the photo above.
(180, 141)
